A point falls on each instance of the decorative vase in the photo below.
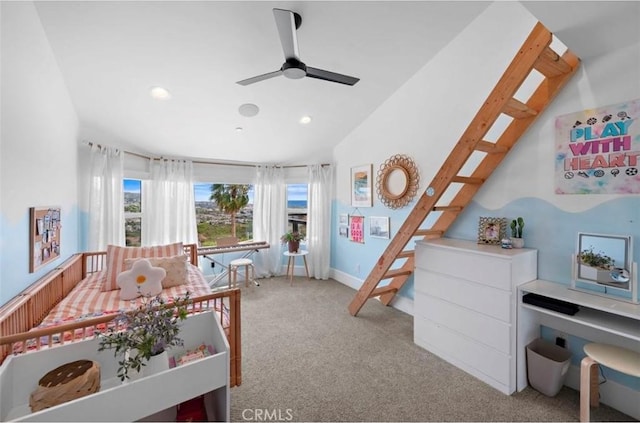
(156, 364)
(517, 242)
(294, 246)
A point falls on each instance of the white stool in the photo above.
(616, 358)
(249, 271)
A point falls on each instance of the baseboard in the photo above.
(399, 302)
(615, 395)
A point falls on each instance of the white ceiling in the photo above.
(112, 53)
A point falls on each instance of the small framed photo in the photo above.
(379, 227)
(343, 219)
(362, 186)
(491, 230)
(343, 231)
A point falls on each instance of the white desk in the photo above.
(292, 261)
(600, 319)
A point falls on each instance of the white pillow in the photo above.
(141, 280)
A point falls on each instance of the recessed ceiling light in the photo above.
(239, 129)
(248, 110)
(159, 93)
(305, 119)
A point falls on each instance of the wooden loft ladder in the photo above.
(555, 70)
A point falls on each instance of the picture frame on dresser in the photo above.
(491, 230)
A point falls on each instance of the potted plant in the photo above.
(517, 227)
(595, 266)
(292, 238)
(143, 333)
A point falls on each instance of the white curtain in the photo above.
(168, 204)
(319, 220)
(106, 198)
(269, 218)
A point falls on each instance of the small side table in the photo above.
(292, 261)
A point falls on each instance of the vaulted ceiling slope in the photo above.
(112, 53)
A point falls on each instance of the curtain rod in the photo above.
(89, 143)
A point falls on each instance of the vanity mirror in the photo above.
(603, 265)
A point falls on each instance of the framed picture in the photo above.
(356, 229)
(44, 236)
(343, 231)
(379, 227)
(343, 219)
(362, 186)
(491, 230)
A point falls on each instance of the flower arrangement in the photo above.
(292, 236)
(599, 260)
(144, 332)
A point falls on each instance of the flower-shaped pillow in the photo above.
(141, 279)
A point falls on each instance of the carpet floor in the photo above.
(305, 358)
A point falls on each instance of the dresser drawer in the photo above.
(481, 268)
(481, 298)
(483, 362)
(481, 328)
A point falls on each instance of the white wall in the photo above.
(39, 153)
(426, 116)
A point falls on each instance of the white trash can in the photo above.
(547, 366)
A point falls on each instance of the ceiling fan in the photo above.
(288, 22)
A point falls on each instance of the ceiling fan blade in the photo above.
(285, 21)
(331, 76)
(260, 77)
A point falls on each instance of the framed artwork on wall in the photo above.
(343, 225)
(362, 186)
(379, 227)
(491, 230)
(356, 229)
(44, 236)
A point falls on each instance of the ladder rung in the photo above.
(395, 273)
(382, 290)
(408, 253)
(447, 208)
(518, 110)
(467, 180)
(425, 232)
(490, 147)
(550, 64)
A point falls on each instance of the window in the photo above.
(297, 207)
(214, 223)
(132, 212)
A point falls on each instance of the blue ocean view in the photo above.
(297, 204)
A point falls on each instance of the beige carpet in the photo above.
(305, 358)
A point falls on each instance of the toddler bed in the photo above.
(71, 302)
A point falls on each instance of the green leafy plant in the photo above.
(148, 330)
(599, 260)
(292, 236)
(517, 226)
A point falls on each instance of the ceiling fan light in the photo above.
(294, 73)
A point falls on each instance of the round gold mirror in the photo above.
(397, 181)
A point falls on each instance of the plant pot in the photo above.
(517, 242)
(156, 364)
(294, 246)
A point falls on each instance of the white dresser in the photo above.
(465, 305)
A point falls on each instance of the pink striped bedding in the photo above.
(88, 300)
